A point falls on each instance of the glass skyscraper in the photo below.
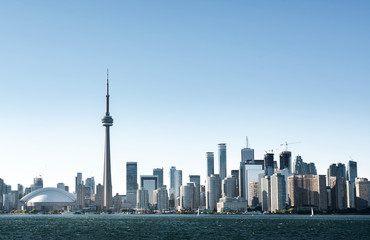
(159, 173)
(210, 163)
(222, 160)
(131, 183)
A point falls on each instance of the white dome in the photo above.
(49, 195)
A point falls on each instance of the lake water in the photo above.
(184, 227)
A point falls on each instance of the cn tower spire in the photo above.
(107, 178)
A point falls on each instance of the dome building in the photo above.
(47, 199)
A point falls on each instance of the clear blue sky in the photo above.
(185, 76)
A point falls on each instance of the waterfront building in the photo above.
(227, 204)
(351, 198)
(228, 187)
(247, 157)
(251, 174)
(203, 200)
(159, 173)
(336, 170)
(265, 193)
(269, 164)
(2, 184)
(213, 192)
(177, 182)
(286, 160)
(278, 192)
(196, 195)
(160, 199)
(194, 179)
(302, 168)
(131, 184)
(142, 199)
(107, 122)
(308, 190)
(47, 199)
(90, 186)
(149, 183)
(338, 193)
(186, 197)
(80, 203)
(117, 202)
(172, 177)
(235, 175)
(222, 160)
(210, 163)
(253, 194)
(11, 201)
(99, 197)
(362, 193)
(37, 183)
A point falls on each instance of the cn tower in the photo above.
(107, 121)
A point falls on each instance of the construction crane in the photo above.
(286, 144)
(271, 150)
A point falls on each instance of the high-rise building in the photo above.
(150, 183)
(251, 174)
(302, 168)
(61, 186)
(159, 173)
(99, 196)
(338, 193)
(352, 171)
(253, 194)
(362, 193)
(235, 174)
(80, 202)
(285, 160)
(107, 178)
(213, 193)
(131, 183)
(186, 197)
(228, 187)
(278, 192)
(222, 160)
(160, 199)
(142, 199)
(336, 170)
(351, 198)
(172, 177)
(177, 182)
(194, 179)
(269, 164)
(90, 186)
(78, 180)
(247, 157)
(308, 190)
(210, 163)
(37, 183)
(196, 195)
(266, 194)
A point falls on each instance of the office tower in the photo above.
(352, 171)
(194, 179)
(66, 188)
(302, 168)
(90, 183)
(177, 182)
(235, 174)
(37, 183)
(247, 157)
(61, 186)
(338, 193)
(269, 164)
(142, 199)
(20, 190)
(172, 177)
(212, 194)
(160, 199)
(266, 193)
(251, 174)
(131, 183)
(1, 193)
(107, 121)
(362, 193)
(117, 203)
(99, 196)
(336, 170)
(149, 183)
(78, 180)
(80, 202)
(351, 197)
(308, 190)
(196, 194)
(186, 197)
(210, 163)
(222, 160)
(285, 160)
(27, 190)
(11, 201)
(228, 187)
(253, 194)
(159, 173)
(278, 192)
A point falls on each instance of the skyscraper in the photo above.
(195, 179)
(159, 173)
(247, 157)
(336, 170)
(286, 161)
(78, 180)
(278, 192)
(222, 160)
(131, 183)
(107, 178)
(150, 183)
(177, 182)
(172, 177)
(210, 163)
(269, 164)
(352, 171)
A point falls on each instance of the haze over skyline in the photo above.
(184, 77)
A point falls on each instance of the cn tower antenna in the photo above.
(247, 141)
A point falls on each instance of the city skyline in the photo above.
(177, 94)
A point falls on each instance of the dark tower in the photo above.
(107, 178)
(285, 160)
